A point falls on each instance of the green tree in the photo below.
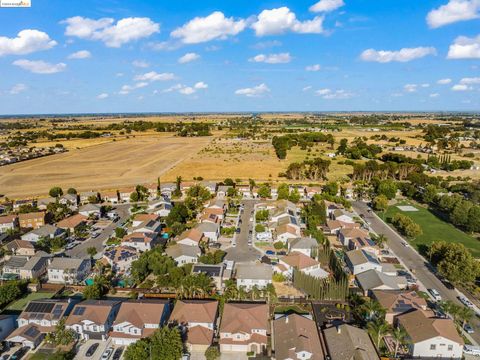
(283, 191)
(380, 203)
(120, 232)
(331, 188)
(134, 197)
(91, 251)
(61, 335)
(178, 187)
(55, 192)
(380, 240)
(430, 194)
(92, 292)
(265, 191)
(387, 188)
(465, 315)
(399, 336)
(294, 196)
(164, 344)
(212, 353)
(378, 329)
(72, 191)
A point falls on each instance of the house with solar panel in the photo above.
(121, 257)
(39, 318)
(93, 319)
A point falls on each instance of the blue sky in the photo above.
(179, 56)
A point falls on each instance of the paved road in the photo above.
(423, 271)
(80, 251)
(243, 252)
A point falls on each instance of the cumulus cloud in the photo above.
(187, 90)
(281, 20)
(18, 88)
(213, 27)
(255, 91)
(26, 42)
(102, 96)
(465, 48)
(461, 87)
(281, 58)
(444, 81)
(402, 55)
(267, 44)
(188, 57)
(126, 89)
(154, 76)
(306, 88)
(39, 66)
(82, 54)
(140, 63)
(410, 87)
(326, 5)
(315, 67)
(454, 11)
(110, 33)
(434, 95)
(470, 81)
(330, 94)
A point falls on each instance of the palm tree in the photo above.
(270, 293)
(255, 293)
(449, 307)
(377, 330)
(465, 314)
(242, 293)
(380, 240)
(371, 308)
(399, 336)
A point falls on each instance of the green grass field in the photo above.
(20, 304)
(434, 229)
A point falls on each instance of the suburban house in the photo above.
(287, 232)
(190, 237)
(213, 211)
(142, 241)
(121, 257)
(197, 321)
(21, 247)
(86, 196)
(223, 191)
(43, 203)
(27, 267)
(347, 342)
(39, 318)
(311, 191)
(138, 319)
(8, 222)
(333, 227)
(216, 272)
(244, 328)
(211, 186)
(250, 275)
(431, 337)
(341, 215)
(110, 197)
(92, 319)
(139, 219)
(70, 200)
(183, 254)
(167, 189)
(149, 226)
(375, 280)
(354, 239)
(160, 207)
(397, 303)
(299, 261)
(295, 337)
(89, 210)
(72, 223)
(68, 270)
(125, 193)
(360, 260)
(304, 245)
(210, 230)
(31, 220)
(45, 231)
(217, 204)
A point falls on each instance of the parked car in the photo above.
(19, 353)
(118, 353)
(270, 252)
(237, 230)
(107, 353)
(468, 328)
(435, 294)
(465, 301)
(91, 350)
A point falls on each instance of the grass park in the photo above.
(434, 229)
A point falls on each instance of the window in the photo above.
(433, 347)
(450, 347)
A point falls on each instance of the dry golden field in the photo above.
(104, 166)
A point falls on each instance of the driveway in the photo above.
(80, 251)
(413, 260)
(242, 252)
(103, 345)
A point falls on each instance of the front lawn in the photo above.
(434, 229)
(20, 304)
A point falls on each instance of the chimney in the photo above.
(339, 329)
(286, 319)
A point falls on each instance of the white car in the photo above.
(106, 355)
(465, 301)
(435, 294)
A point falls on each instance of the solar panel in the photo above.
(40, 307)
(79, 310)
(32, 332)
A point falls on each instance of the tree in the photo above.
(465, 315)
(212, 353)
(265, 191)
(380, 240)
(278, 245)
(251, 184)
(378, 329)
(134, 197)
(371, 309)
(380, 203)
(331, 188)
(61, 335)
(342, 147)
(283, 191)
(164, 344)
(92, 292)
(429, 194)
(91, 251)
(120, 232)
(294, 196)
(178, 187)
(72, 191)
(55, 192)
(399, 336)
(387, 188)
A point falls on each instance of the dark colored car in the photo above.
(91, 350)
(117, 354)
(238, 230)
(19, 353)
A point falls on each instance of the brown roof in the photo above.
(194, 311)
(215, 211)
(7, 219)
(19, 244)
(96, 311)
(199, 335)
(299, 260)
(32, 215)
(294, 333)
(399, 301)
(139, 237)
(72, 221)
(141, 312)
(354, 233)
(282, 229)
(192, 234)
(338, 224)
(419, 327)
(244, 317)
(146, 217)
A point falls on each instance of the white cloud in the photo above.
(402, 55)
(323, 92)
(306, 88)
(280, 20)
(188, 57)
(82, 54)
(444, 81)
(255, 91)
(102, 96)
(187, 90)
(326, 5)
(213, 27)
(113, 35)
(18, 88)
(200, 85)
(454, 11)
(164, 45)
(26, 42)
(280, 58)
(461, 87)
(329, 94)
(410, 87)
(127, 88)
(425, 85)
(140, 64)
(267, 44)
(470, 81)
(154, 76)
(39, 66)
(315, 67)
(434, 95)
(465, 48)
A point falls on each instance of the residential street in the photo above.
(80, 251)
(413, 260)
(242, 252)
